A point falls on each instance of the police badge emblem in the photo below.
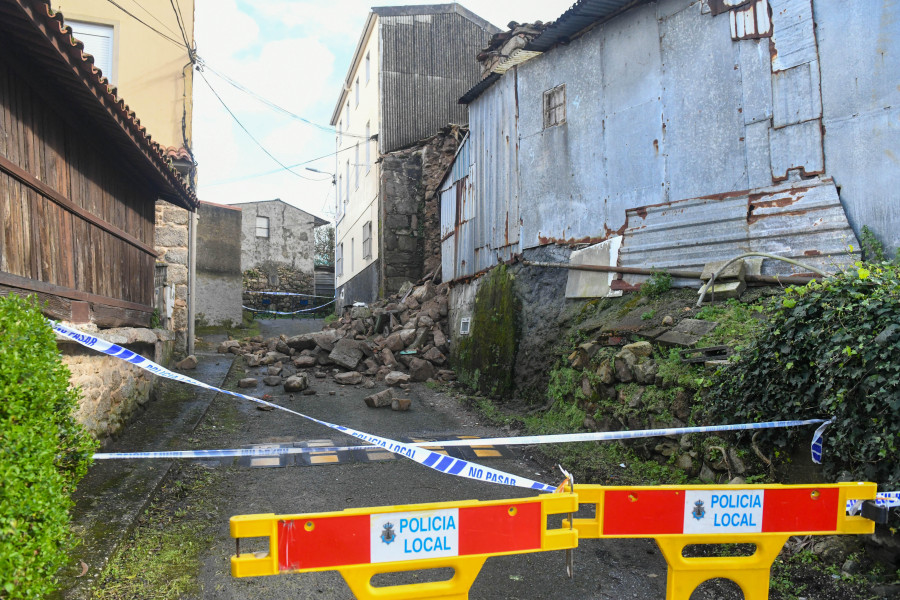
(698, 511)
(388, 535)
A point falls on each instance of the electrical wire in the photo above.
(155, 18)
(250, 135)
(184, 35)
(144, 23)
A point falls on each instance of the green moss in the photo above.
(485, 359)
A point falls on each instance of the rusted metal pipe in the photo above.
(787, 279)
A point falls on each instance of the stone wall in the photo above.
(113, 390)
(275, 277)
(219, 280)
(172, 248)
(291, 239)
(410, 244)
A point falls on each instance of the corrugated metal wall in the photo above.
(427, 63)
(666, 112)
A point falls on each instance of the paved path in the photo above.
(114, 493)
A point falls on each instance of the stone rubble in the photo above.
(400, 339)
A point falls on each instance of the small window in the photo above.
(348, 181)
(555, 106)
(339, 260)
(367, 240)
(262, 227)
(340, 133)
(348, 115)
(98, 41)
(357, 91)
(368, 67)
(352, 245)
(368, 152)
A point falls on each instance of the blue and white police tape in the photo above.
(275, 312)
(429, 458)
(284, 294)
(229, 453)
(599, 436)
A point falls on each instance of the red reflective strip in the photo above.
(333, 541)
(644, 512)
(796, 510)
(492, 529)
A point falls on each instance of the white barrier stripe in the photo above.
(429, 458)
(886, 499)
(275, 312)
(619, 435)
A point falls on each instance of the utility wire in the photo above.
(184, 36)
(144, 23)
(250, 135)
(299, 164)
(155, 18)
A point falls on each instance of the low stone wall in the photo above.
(113, 390)
(172, 248)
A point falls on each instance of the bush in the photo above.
(658, 284)
(831, 349)
(44, 452)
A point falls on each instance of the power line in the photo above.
(155, 18)
(250, 135)
(274, 106)
(144, 23)
(299, 164)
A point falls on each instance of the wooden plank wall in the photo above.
(70, 216)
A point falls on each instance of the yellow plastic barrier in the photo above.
(679, 516)
(362, 543)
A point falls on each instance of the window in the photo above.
(555, 106)
(348, 115)
(367, 240)
(98, 42)
(357, 91)
(340, 133)
(339, 260)
(352, 244)
(356, 164)
(262, 227)
(368, 153)
(368, 67)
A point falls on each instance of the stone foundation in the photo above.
(113, 390)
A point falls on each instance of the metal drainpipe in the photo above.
(192, 278)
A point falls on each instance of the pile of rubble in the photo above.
(503, 45)
(401, 339)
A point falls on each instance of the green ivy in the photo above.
(44, 452)
(830, 349)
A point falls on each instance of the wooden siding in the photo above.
(72, 216)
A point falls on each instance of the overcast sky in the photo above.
(295, 54)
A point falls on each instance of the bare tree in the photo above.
(325, 246)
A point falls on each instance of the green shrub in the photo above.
(44, 452)
(658, 284)
(830, 349)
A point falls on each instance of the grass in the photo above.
(161, 559)
(738, 322)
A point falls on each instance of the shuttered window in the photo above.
(367, 240)
(98, 42)
(262, 227)
(339, 260)
(555, 106)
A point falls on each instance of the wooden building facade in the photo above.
(79, 178)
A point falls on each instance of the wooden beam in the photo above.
(17, 172)
(102, 315)
(42, 287)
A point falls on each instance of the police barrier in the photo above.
(362, 543)
(762, 515)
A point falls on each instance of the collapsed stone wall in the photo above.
(410, 243)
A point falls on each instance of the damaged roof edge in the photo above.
(582, 15)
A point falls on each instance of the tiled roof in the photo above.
(45, 39)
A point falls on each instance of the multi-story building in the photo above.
(411, 65)
(144, 54)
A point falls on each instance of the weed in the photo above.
(658, 284)
(648, 315)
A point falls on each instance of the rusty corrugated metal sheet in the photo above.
(803, 220)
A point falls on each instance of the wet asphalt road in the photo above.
(609, 569)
